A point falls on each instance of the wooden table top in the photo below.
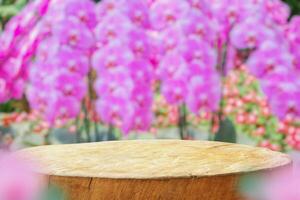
(151, 159)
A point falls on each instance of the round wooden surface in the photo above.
(153, 159)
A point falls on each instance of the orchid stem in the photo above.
(78, 131)
(97, 134)
(222, 72)
(86, 123)
(110, 131)
(182, 122)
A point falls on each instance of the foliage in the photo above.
(9, 8)
(295, 6)
(226, 132)
(53, 193)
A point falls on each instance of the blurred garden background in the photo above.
(76, 71)
(245, 114)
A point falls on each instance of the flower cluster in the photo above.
(184, 46)
(17, 43)
(57, 76)
(293, 35)
(167, 115)
(187, 66)
(123, 65)
(248, 107)
(291, 131)
(271, 43)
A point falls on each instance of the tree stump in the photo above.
(155, 169)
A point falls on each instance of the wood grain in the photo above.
(206, 188)
(160, 169)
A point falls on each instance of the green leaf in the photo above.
(251, 186)
(277, 137)
(20, 4)
(226, 132)
(6, 107)
(295, 5)
(54, 193)
(8, 11)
